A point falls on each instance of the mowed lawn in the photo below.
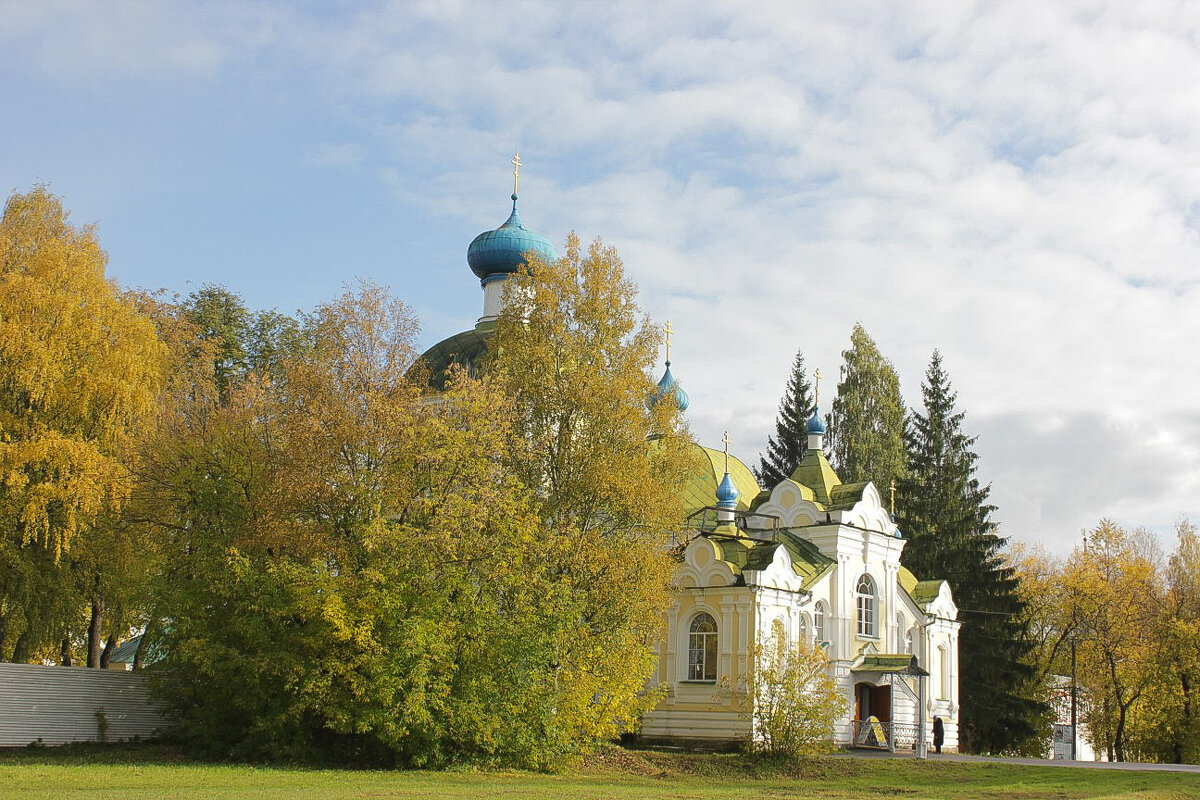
(131, 773)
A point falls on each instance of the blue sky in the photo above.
(1016, 184)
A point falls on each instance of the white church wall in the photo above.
(718, 711)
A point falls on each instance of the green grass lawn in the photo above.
(153, 771)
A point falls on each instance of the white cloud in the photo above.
(77, 42)
(1016, 184)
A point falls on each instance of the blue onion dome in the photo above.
(816, 427)
(499, 253)
(727, 493)
(669, 387)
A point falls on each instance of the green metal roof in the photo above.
(844, 496)
(708, 468)
(807, 561)
(815, 472)
(743, 553)
(922, 592)
(127, 651)
(898, 663)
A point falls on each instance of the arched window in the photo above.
(702, 648)
(908, 641)
(804, 629)
(944, 659)
(864, 596)
(819, 615)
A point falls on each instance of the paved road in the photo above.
(1036, 762)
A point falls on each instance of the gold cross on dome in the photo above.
(893, 497)
(516, 162)
(817, 389)
(725, 439)
(667, 331)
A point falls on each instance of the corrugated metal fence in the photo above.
(73, 704)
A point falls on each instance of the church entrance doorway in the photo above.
(873, 701)
(872, 715)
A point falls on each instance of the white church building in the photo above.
(812, 559)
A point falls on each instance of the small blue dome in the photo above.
(668, 386)
(727, 493)
(816, 427)
(502, 251)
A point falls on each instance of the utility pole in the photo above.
(1074, 702)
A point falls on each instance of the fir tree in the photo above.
(866, 427)
(945, 514)
(787, 446)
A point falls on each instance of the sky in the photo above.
(1015, 184)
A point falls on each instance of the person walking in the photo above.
(939, 734)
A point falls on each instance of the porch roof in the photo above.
(897, 664)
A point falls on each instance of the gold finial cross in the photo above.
(893, 497)
(667, 331)
(817, 389)
(725, 439)
(516, 162)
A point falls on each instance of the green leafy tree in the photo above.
(787, 446)
(240, 342)
(344, 574)
(361, 571)
(945, 514)
(866, 426)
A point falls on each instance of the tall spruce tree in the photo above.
(866, 426)
(945, 514)
(787, 446)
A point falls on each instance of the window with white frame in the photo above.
(702, 648)
(804, 629)
(944, 672)
(864, 597)
(908, 641)
(819, 615)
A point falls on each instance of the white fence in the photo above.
(73, 704)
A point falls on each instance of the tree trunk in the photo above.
(94, 632)
(21, 649)
(1177, 745)
(106, 654)
(64, 659)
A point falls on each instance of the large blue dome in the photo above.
(669, 387)
(502, 251)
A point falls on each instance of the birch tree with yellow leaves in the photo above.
(1112, 591)
(574, 355)
(80, 371)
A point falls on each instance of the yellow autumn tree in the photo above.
(574, 355)
(1112, 594)
(1167, 725)
(794, 698)
(80, 369)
